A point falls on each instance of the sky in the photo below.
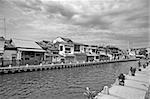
(121, 23)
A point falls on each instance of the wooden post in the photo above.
(27, 65)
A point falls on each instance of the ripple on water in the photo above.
(66, 83)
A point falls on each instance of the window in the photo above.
(26, 58)
(93, 50)
(67, 50)
(38, 54)
(31, 54)
(61, 48)
(55, 52)
(77, 48)
(97, 57)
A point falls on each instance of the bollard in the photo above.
(27, 65)
(77, 62)
(105, 90)
(9, 66)
(40, 64)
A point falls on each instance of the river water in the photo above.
(68, 83)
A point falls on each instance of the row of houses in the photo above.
(60, 50)
(139, 52)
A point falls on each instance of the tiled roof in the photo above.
(66, 39)
(25, 44)
(34, 50)
(8, 44)
(78, 43)
(48, 45)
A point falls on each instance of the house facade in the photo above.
(91, 52)
(103, 55)
(52, 52)
(66, 49)
(79, 52)
(2, 42)
(21, 52)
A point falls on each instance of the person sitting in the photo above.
(139, 63)
(132, 70)
(121, 79)
(144, 66)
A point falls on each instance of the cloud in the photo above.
(89, 21)
(28, 5)
(65, 10)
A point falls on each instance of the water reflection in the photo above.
(60, 84)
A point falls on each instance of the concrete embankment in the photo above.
(29, 68)
(136, 87)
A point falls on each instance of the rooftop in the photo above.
(2, 38)
(25, 44)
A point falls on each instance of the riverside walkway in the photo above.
(136, 87)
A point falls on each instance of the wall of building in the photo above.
(80, 57)
(64, 52)
(69, 59)
(32, 57)
(82, 49)
(48, 59)
(90, 58)
(8, 54)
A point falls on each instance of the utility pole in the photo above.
(4, 26)
(129, 47)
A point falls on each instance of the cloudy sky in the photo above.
(115, 22)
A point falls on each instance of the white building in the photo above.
(72, 51)
(91, 52)
(66, 48)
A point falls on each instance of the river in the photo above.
(68, 83)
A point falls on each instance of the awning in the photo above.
(103, 55)
(1, 51)
(80, 54)
(69, 55)
(52, 54)
(32, 50)
(93, 54)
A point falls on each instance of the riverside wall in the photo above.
(30, 68)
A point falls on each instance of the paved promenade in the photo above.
(135, 87)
